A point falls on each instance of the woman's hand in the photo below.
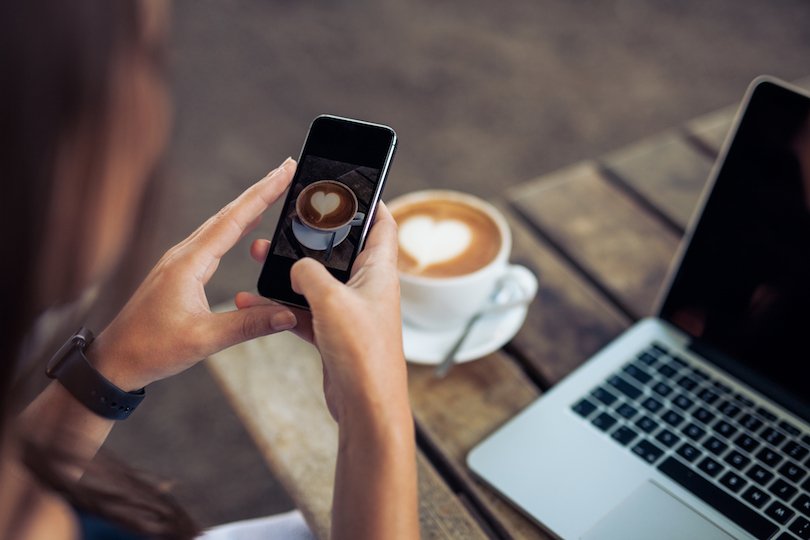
(167, 326)
(356, 326)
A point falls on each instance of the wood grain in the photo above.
(568, 321)
(666, 170)
(275, 385)
(608, 236)
(457, 412)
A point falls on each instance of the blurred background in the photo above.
(483, 95)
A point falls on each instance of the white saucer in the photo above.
(488, 335)
(317, 240)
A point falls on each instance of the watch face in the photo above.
(79, 340)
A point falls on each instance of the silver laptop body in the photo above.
(693, 423)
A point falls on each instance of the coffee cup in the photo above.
(453, 253)
(326, 211)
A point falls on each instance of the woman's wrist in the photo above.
(113, 365)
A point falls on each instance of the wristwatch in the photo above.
(73, 371)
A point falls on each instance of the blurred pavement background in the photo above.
(483, 95)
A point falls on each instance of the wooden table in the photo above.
(600, 235)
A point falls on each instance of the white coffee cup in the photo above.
(448, 302)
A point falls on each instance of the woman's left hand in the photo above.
(167, 326)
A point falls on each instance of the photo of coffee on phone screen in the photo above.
(331, 202)
(322, 219)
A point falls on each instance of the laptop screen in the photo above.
(743, 285)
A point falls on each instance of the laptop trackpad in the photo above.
(651, 512)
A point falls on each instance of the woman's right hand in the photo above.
(356, 326)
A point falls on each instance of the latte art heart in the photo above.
(430, 241)
(324, 203)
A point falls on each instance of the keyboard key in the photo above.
(724, 503)
(694, 432)
(725, 389)
(703, 415)
(715, 445)
(802, 504)
(584, 408)
(789, 428)
(667, 438)
(800, 527)
(746, 442)
(672, 418)
(710, 466)
(604, 395)
(782, 489)
(806, 439)
(648, 451)
(647, 359)
(638, 374)
(744, 400)
(728, 409)
(766, 414)
(666, 370)
(737, 460)
(652, 404)
(624, 435)
(785, 536)
(725, 429)
(662, 389)
(687, 383)
(626, 410)
(756, 496)
(792, 471)
(750, 422)
(657, 349)
(624, 387)
(688, 452)
(708, 395)
(769, 457)
(806, 485)
(772, 436)
(604, 421)
(733, 482)
(795, 450)
(759, 474)
(779, 512)
(646, 424)
(678, 362)
(682, 402)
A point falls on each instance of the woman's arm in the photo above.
(167, 326)
(358, 332)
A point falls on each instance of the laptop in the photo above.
(693, 423)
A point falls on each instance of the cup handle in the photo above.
(357, 219)
(522, 279)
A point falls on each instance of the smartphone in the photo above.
(331, 202)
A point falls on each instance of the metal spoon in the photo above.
(498, 301)
(330, 246)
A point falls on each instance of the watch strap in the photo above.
(92, 389)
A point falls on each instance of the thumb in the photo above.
(232, 327)
(311, 279)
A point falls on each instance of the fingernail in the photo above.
(287, 162)
(283, 321)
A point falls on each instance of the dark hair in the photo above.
(57, 61)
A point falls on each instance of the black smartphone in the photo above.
(331, 202)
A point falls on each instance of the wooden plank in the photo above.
(711, 129)
(666, 170)
(607, 235)
(275, 386)
(457, 412)
(568, 321)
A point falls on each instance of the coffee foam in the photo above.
(445, 238)
(326, 204)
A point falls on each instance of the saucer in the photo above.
(318, 240)
(488, 334)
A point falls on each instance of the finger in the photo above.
(382, 238)
(311, 279)
(259, 249)
(232, 327)
(222, 231)
(247, 299)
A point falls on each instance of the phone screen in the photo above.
(331, 202)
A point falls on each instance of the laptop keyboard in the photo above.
(736, 455)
